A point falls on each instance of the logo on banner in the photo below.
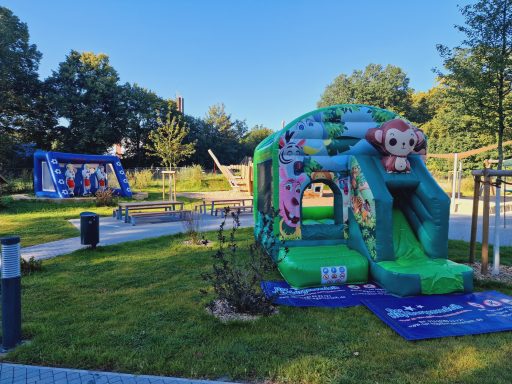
(492, 303)
(334, 274)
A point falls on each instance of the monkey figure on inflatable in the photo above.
(396, 139)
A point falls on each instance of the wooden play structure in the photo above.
(239, 176)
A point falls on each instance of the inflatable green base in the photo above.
(435, 276)
(322, 265)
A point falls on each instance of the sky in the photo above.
(267, 61)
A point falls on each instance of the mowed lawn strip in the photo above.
(136, 307)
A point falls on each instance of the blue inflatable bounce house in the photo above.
(65, 175)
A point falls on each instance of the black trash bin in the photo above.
(89, 229)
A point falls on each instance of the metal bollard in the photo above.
(11, 292)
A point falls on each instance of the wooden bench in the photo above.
(241, 208)
(169, 215)
(214, 205)
(147, 205)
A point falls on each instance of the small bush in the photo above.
(106, 198)
(140, 180)
(235, 281)
(194, 172)
(31, 266)
(192, 227)
(4, 202)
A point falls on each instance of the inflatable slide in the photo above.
(384, 218)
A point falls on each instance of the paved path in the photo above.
(114, 231)
(28, 374)
(460, 229)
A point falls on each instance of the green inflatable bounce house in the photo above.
(386, 219)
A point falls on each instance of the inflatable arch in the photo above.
(387, 220)
(65, 175)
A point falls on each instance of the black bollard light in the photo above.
(11, 292)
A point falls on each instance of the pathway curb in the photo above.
(33, 374)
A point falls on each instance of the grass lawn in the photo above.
(136, 307)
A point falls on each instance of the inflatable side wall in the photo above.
(65, 175)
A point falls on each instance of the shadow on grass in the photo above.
(136, 307)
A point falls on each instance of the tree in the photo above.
(227, 133)
(85, 93)
(167, 141)
(480, 69)
(255, 136)
(23, 115)
(384, 87)
(205, 137)
(143, 109)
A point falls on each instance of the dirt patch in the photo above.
(203, 243)
(226, 313)
(505, 275)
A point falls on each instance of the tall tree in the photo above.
(143, 109)
(167, 141)
(205, 137)
(227, 133)
(481, 67)
(255, 136)
(384, 87)
(22, 112)
(86, 94)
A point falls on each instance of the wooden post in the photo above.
(170, 187)
(474, 218)
(485, 222)
(454, 181)
(174, 186)
(163, 185)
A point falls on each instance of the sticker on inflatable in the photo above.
(333, 274)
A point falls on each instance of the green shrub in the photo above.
(31, 266)
(234, 281)
(106, 198)
(193, 172)
(140, 179)
(21, 184)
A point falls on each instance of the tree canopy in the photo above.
(479, 71)
(384, 87)
(143, 110)
(83, 107)
(167, 140)
(85, 93)
(227, 133)
(21, 104)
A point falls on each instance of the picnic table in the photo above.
(216, 205)
(167, 206)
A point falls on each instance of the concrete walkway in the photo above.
(460, 229)
(114, 231)
(28, 374)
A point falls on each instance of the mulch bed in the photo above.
(226, 313)
(505, 275)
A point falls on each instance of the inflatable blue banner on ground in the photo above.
(427, 317)
(333, 296)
